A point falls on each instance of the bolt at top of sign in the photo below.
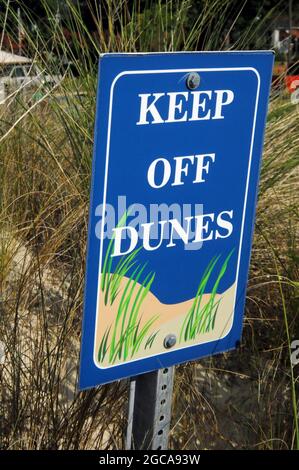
(193, 80)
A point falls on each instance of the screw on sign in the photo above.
(182, 133)
(193, 80)
(169, 341)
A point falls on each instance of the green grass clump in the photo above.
(123, 339)
(201, 320)
(127, 333)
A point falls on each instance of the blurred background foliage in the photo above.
(243, 399)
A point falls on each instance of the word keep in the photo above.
(160, 108)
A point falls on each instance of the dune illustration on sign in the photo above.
(132, 323)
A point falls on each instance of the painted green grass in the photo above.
(150, 340)
(202, 319)
(123, 339)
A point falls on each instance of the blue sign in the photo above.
(178, 143)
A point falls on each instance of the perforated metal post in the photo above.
(149, 412)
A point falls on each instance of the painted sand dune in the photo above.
(131, 327)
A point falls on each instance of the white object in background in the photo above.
(2, 93)
(2, 352)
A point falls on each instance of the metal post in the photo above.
(150, 410)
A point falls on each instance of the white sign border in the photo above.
(139, 72)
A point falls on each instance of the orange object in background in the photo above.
(292, 82)
(279, 68)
